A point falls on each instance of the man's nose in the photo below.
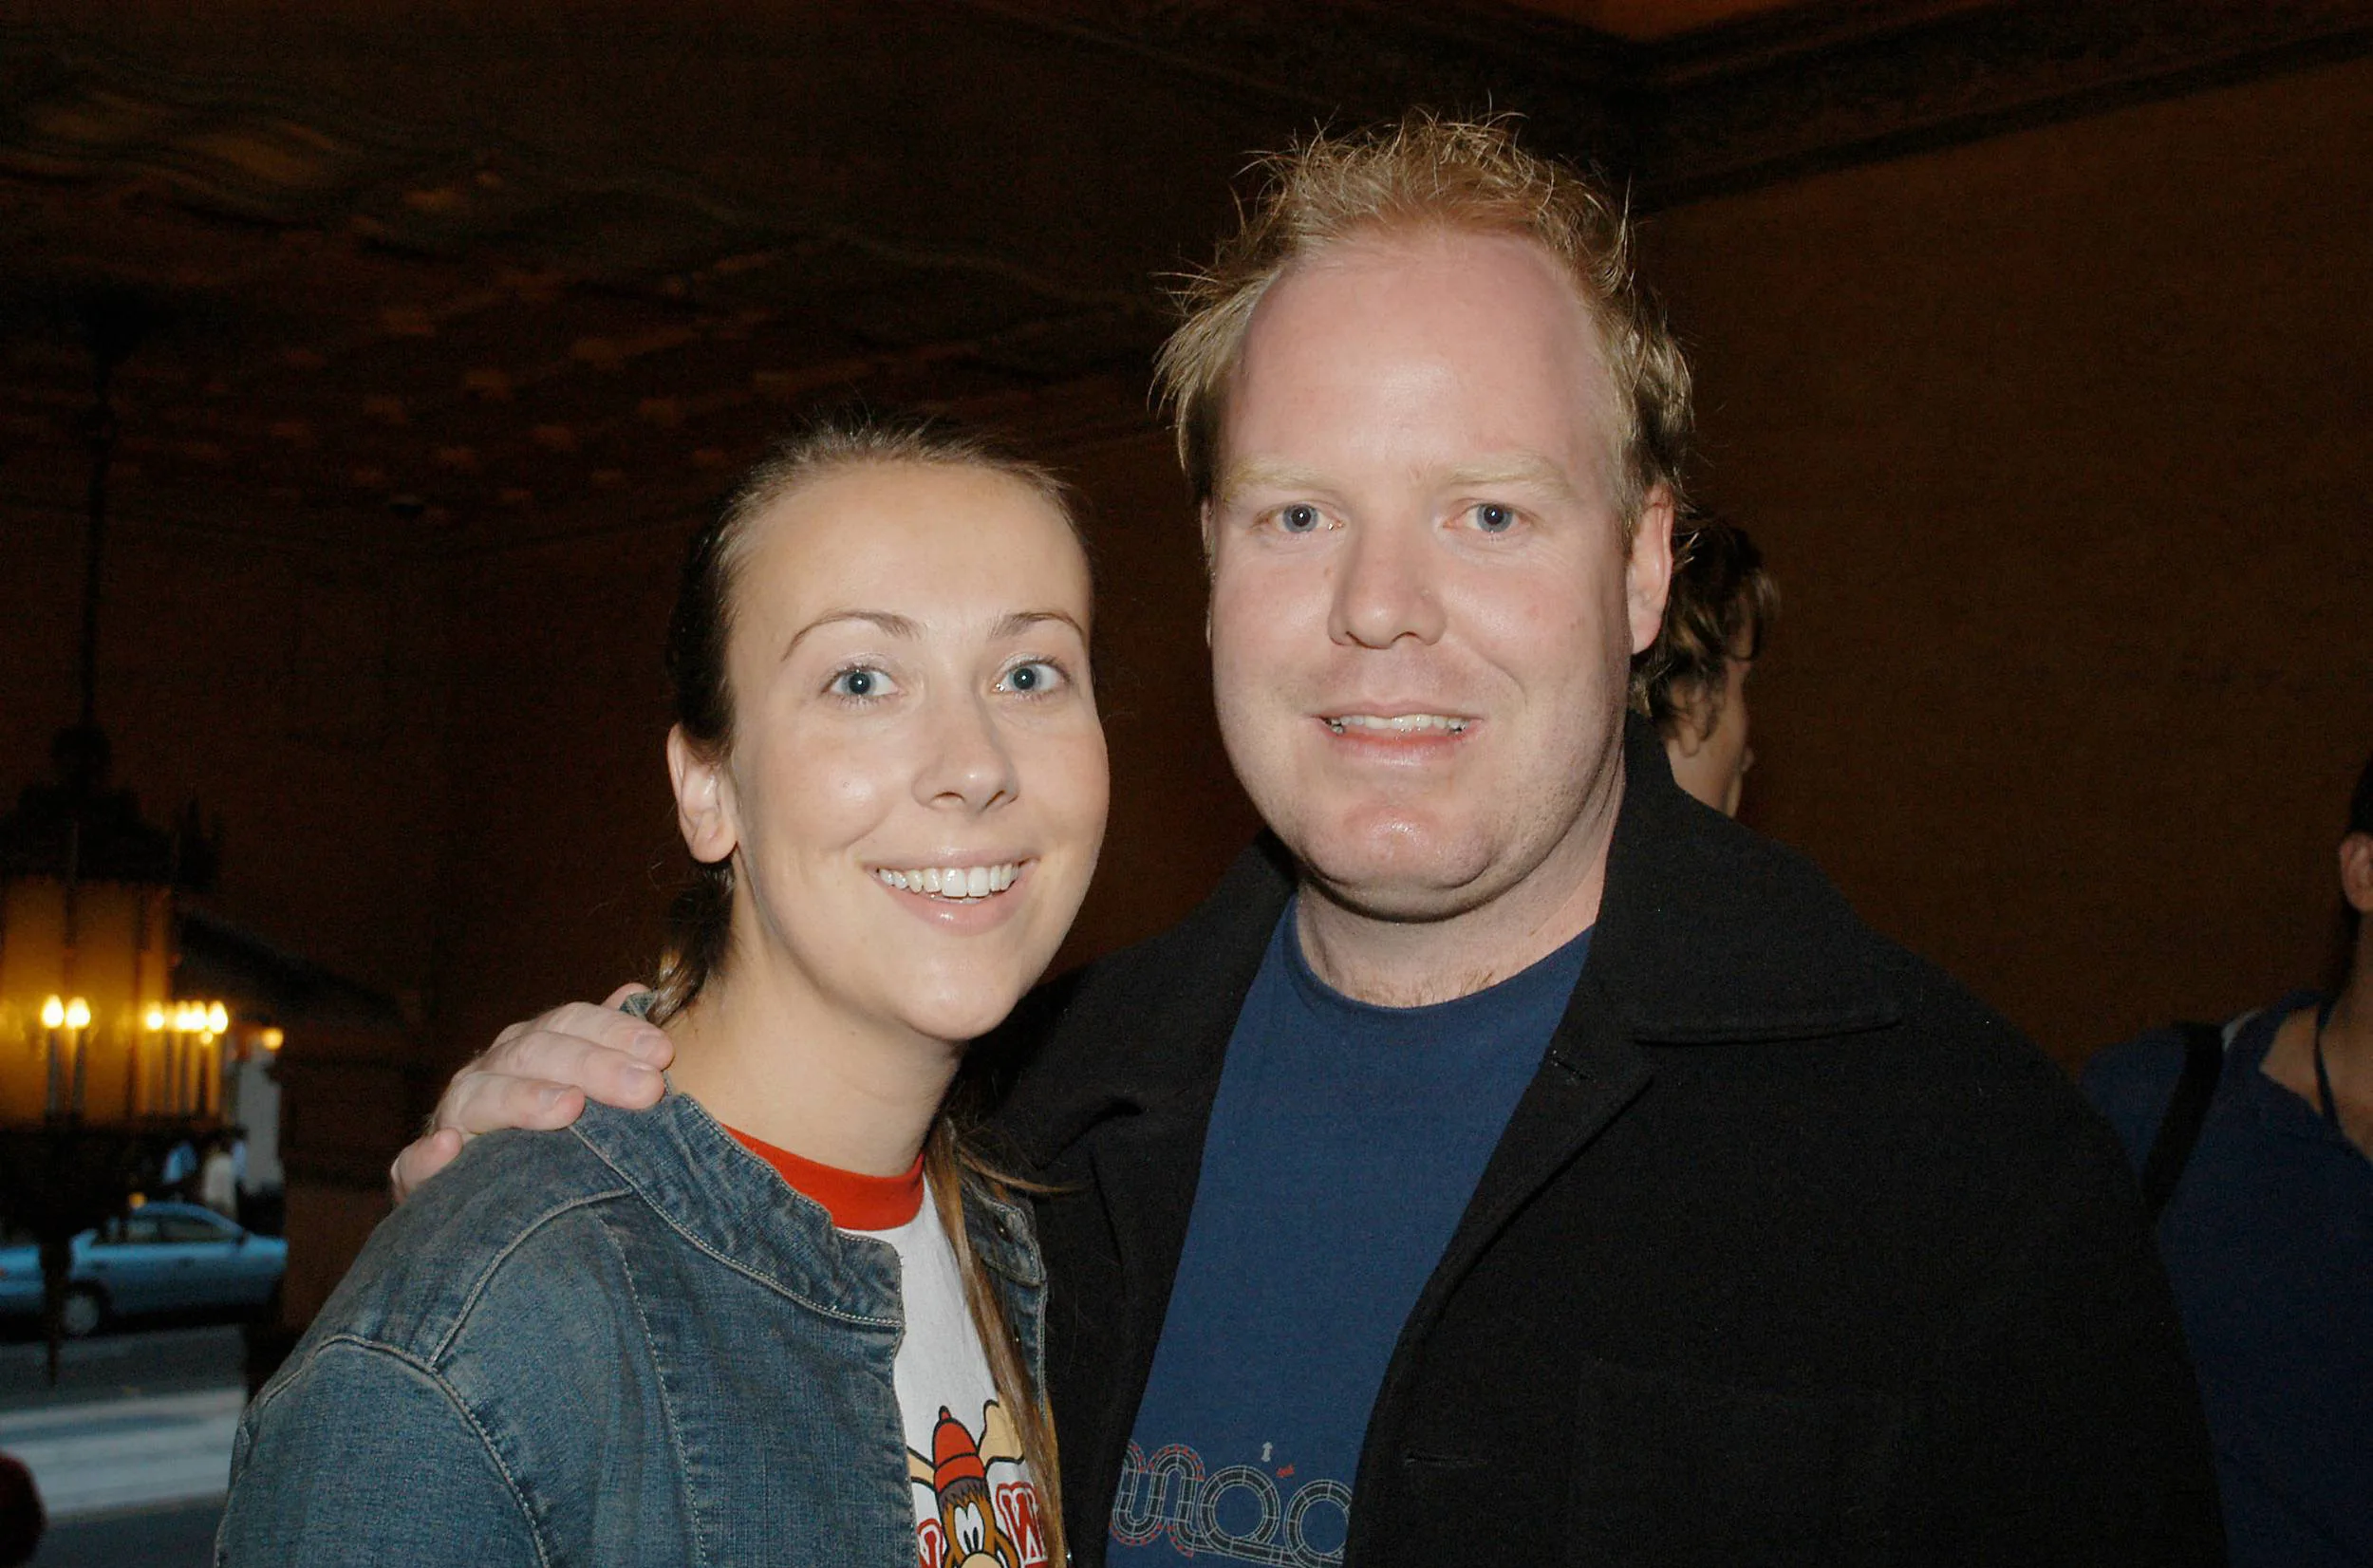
(967, 762)
(1387, 587)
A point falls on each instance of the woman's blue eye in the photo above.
(1301, 517)
(1494, 518)
(859, 682)
(1037, 676)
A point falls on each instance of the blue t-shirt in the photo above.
(2269, 1243)
(1345, 1141)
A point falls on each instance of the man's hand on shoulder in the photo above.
(539, 1075)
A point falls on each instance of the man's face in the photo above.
(1423, 603)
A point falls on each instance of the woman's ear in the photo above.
(705, 800)
(2356, 872)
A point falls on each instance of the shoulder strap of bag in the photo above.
(2187, 1111)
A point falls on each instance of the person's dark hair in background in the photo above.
(1692, 681)
(22, 1517)
(2254, 1140)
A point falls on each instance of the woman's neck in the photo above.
(770, 1058)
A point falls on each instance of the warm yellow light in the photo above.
(272, 1039)
(78, 1014)
(184, 1016)
(156, 1019)
(217, 1018)
(53, 1013)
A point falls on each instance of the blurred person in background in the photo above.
(218, 1177)
(1692, 683)
(2252, 1140)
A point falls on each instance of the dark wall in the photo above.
(289, 681)
(2058, 445)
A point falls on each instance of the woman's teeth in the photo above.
(1398, 723)
(955, 881)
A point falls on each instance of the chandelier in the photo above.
(103, 1069)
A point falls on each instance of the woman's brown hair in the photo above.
(700, 919)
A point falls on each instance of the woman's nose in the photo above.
(967, 763)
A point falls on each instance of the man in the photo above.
(1514, 1160)
(1692, 684)
(2266, 1226)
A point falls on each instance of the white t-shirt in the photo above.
(975, 1503)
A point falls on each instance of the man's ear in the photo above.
(705, 800)
(2356, 872)
(1648, 574)
(1211, 538)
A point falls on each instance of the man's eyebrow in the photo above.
(890, 623)
(1523, 468)
(1260, 474)
(1520, 468)
(1021, 621)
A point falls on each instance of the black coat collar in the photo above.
(1708, 933)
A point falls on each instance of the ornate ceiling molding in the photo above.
(1806, 89)
(264, 150)
(1777, 97)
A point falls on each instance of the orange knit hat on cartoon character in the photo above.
(958, 1475)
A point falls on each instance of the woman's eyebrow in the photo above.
(890, 623)
(1021, 621)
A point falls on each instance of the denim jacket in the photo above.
(625, 1343)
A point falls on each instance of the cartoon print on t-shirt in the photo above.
(979, 1525)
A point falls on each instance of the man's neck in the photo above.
(1411, 962)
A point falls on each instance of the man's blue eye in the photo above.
(1298, 518)
(1494, 518)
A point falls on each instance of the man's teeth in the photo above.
(1398, 723)
(955, 881)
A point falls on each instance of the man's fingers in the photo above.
(552, 1046)
(604, 1070)
(476, 1103)
(422, 1158)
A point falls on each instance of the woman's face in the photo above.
(916, 788)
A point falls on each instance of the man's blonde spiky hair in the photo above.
(1428, 172)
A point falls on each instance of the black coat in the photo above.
(1792, 1252)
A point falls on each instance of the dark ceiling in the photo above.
(470, 274)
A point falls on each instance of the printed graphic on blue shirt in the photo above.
(1263, 1512)
(1345, 1141)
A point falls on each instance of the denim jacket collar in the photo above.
(730, 1203)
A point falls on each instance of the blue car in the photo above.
(161, 1257)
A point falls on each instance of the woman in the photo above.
(780, 1318)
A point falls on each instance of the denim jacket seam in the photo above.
(780, 1287)
(666, 1395)
(493, 1264)
(453, 1397)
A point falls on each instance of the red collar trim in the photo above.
(854, 1201)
